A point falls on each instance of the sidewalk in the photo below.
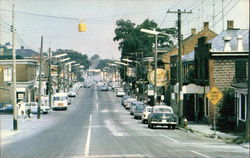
(26, 127)
(206, 130)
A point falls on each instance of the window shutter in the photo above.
(240, 71)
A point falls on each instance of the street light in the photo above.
(156, 33)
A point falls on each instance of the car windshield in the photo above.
(60, 98)
(139, 108)
(166, 110)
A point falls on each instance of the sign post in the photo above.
(214, 95)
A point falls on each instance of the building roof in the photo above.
(26, 52)
(217, 43)
(240, 85)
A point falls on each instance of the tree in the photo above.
(132, 40)
(135, 44)
(76, 56)
(94, 61)
(226, 110)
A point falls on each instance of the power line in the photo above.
(41, 15)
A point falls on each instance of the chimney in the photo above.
(240, 43)
(227, 43)
(230, 24)
(206, 25)
(193, 31)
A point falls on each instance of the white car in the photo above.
(34, 105)
(120, 93)
(72, 93)
(146, 112)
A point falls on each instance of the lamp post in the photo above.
(156, 33)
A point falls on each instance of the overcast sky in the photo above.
(100, 17)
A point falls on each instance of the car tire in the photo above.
(143, 122)
(135, 117)
(173, 126)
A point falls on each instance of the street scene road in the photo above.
(96, 125)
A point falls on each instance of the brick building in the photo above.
(220, 62)
(25, 77)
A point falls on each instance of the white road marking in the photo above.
(118, 156)
(97, 106)
(112, 156)
(200, 154)
(96, 95)
(114, 129)
(169, 138)
(86, 151)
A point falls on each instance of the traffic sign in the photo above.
(214, 95)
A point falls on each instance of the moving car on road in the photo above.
(163, 116)
(60, 101)
(120, 93)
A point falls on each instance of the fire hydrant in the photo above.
(185, 122)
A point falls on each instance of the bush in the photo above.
(226, 111)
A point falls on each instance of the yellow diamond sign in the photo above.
(214, 95)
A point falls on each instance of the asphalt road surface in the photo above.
(96, 125)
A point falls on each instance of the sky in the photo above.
(100, 17)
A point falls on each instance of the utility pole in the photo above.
(50, 87)
(247, 134)
(58, 76)
(15, 123)
(40, 81)
(63, 77)
(180, 70)
(155, 72)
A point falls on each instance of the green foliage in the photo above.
(104, 63)
(132, 40)
(225, 111)
(76, 56)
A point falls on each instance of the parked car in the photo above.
(146, 112)
(138, 111)
(6, 108)
(163, 116)
(120, 93)
(125, 97)
(133, 104)
(128, 102)
(44, 109)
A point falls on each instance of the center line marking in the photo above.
(86, 151)
(200, 154)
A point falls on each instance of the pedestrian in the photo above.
(29, 113)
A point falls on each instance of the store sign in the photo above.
(161, 77)
(54, 70)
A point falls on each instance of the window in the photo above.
(240, 71)
(7, 74)
(242, 107)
